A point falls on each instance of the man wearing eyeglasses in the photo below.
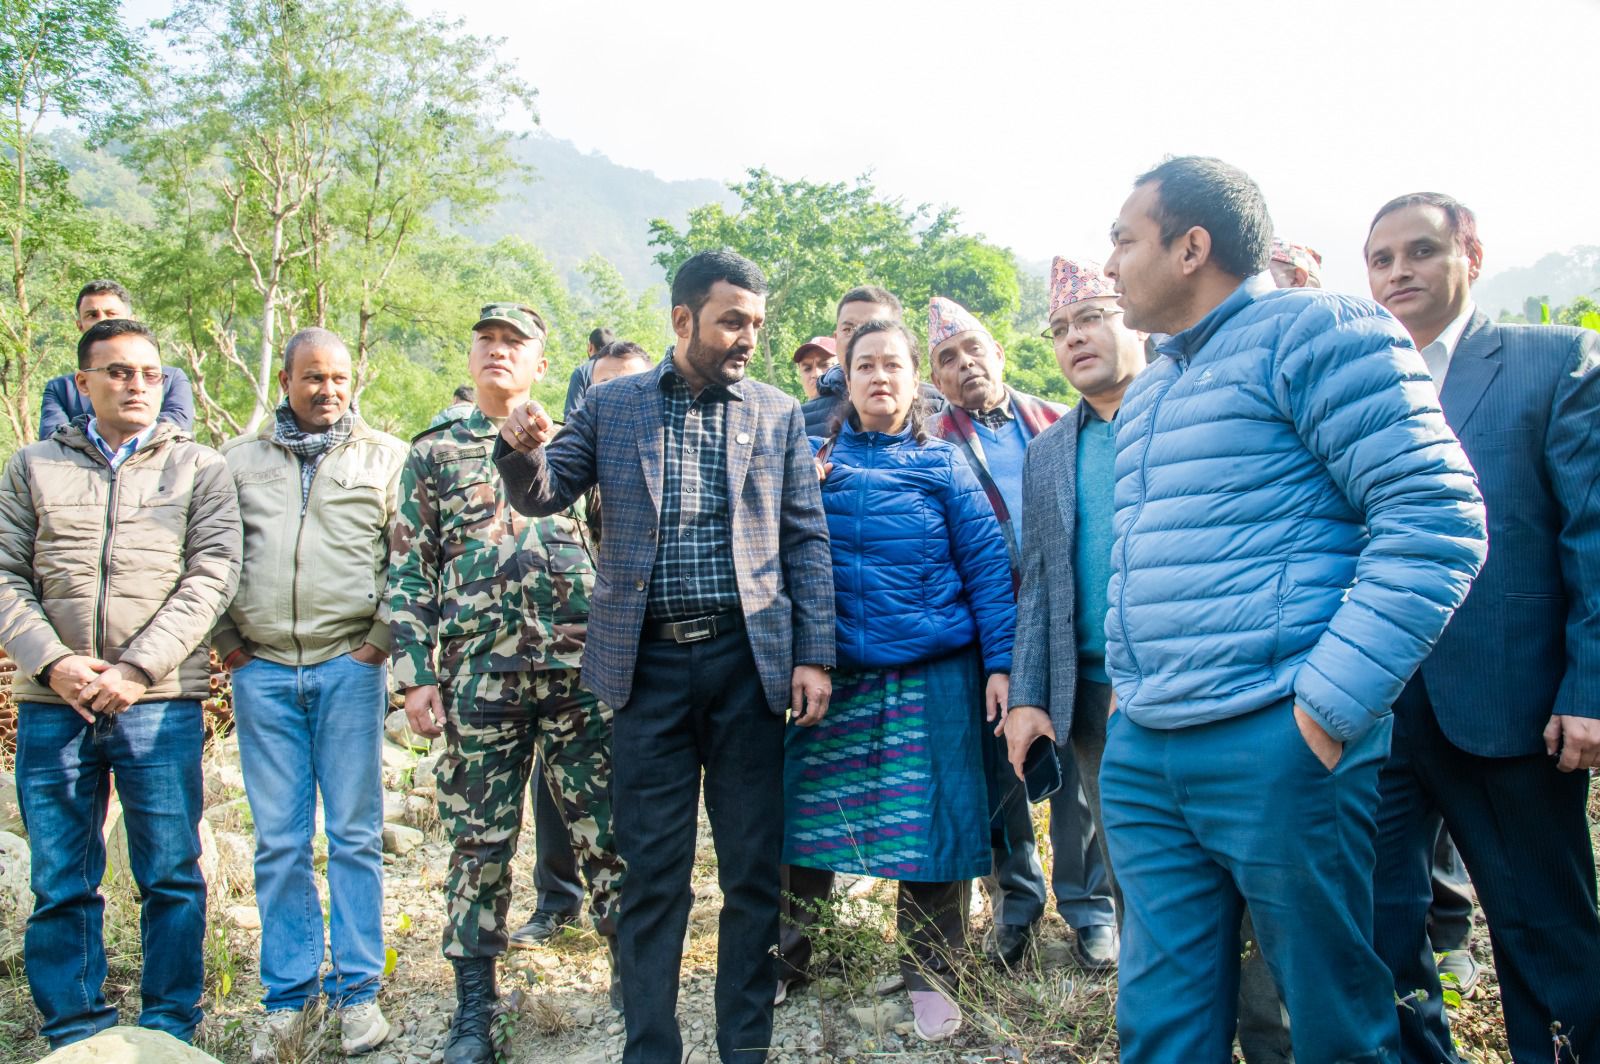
(63, 403)
(1068, 482)
(994, 426)
(119, 548)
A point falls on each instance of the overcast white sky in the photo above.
(1034, 117)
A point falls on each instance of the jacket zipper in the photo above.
(299, 534)
(110, 528)
(1122, 542)
(861, 511)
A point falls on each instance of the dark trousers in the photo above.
(555, 869)
(1450, 914)
(1206, 819)
(1521, 827)
(697, 707)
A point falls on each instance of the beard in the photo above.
(720, 365)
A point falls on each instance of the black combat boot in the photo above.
(471, 1029)
(616, 973)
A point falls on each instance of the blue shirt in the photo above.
(1003, 451)
(1096, 534)
(123, 453)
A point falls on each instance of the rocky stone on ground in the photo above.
(10, 812)
(16, 897)
(129, 1045)
(401, 840)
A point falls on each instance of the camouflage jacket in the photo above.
(473, 585)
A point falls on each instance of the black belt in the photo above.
(696, 630)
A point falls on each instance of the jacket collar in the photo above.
(359, 429)
(74, 434)
(1185, 345)
(1475, 363)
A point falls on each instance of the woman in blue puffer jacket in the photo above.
(891, 784)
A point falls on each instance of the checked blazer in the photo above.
(779, 533)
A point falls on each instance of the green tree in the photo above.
(608, 302)
(73, 60)
(1582, 311)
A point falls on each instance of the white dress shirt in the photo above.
(1439, 353)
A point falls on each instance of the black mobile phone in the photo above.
(1041, 770)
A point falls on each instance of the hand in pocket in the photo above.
(1326, 747)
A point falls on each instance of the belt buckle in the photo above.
(694, 631)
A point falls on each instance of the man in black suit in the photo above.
(1499, 729)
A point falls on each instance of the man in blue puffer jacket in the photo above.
(1295, 525)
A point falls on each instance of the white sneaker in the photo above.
(362, 1028)
(278, 1029)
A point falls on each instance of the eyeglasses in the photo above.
(123, 373)
(1083, 323)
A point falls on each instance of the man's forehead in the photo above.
(494, 330)
(102, 299)
(860, 310)
(1412, 221)
(129, 349)
(964, 340)
(727, 296)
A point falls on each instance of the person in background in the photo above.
(1497, 734)
(1294, 265)
(489, 616)
(462, 404)
(556, 886)
(1059, 686)
(892, 783)
(63, 402)
(713, 617)
(812, 359)
(993, 426)
(1295, 524)
(119, 549)
(583, 373)
(306, 640)
(857, 306)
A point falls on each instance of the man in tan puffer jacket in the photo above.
(119, 549)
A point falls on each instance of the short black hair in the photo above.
(599, 337)
(1199, 191)
(314, 337)
(1463, 223)
(108, 329)
(99, 288)
(464, 394)
(871, 293)
(691, 285)
(624, 349)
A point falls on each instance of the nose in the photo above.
(1110, 269)
(747, 335)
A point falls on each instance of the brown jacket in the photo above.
(132, 566)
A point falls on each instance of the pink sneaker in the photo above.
(934, 1015)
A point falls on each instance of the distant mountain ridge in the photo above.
(578, 204)
(1558, 278)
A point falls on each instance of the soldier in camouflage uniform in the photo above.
(488, 613)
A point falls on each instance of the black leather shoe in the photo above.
(1010, 944)
(472, 1027)
(1096, 947)
(539, 930)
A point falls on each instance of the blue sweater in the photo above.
(1096, 482)
(919, 566)
(1294, 517)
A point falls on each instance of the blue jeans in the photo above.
(64, 772)
(1205, 819)
(303, 730)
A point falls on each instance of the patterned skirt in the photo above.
(891, 783)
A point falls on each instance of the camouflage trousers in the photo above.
(495, 724)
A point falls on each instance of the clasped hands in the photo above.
(93, 685)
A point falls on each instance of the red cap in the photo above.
(824, 344)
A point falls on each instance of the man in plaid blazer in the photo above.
(712, 615)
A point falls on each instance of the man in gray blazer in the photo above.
(1059, 687)
(712, 616)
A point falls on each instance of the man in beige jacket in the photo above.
(119, 548)
(307, 639)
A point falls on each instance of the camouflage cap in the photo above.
(525, 320)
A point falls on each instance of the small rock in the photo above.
(244, 917)
(397, 757)
(400, 840)
(583, 1016)
(130, 1045)
(614, 1028)
(398, 731)
(394, 808)
(425, 775)
(875, 1019)
(10, 812)
(420, 809)
(16, 896)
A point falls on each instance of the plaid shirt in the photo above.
(693, 574)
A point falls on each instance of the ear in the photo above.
(540, 368)
(81, 379)
(1194, 249)
(1474, 261)
(283, 382)
(999, 352)
(682, 322)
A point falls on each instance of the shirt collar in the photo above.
(1451, 337)
(121, 454)
(669, 371)
(996, 417)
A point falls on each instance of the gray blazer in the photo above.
(1044, 663)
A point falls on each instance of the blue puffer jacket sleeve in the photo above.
(1392, 455)
(979, 551)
